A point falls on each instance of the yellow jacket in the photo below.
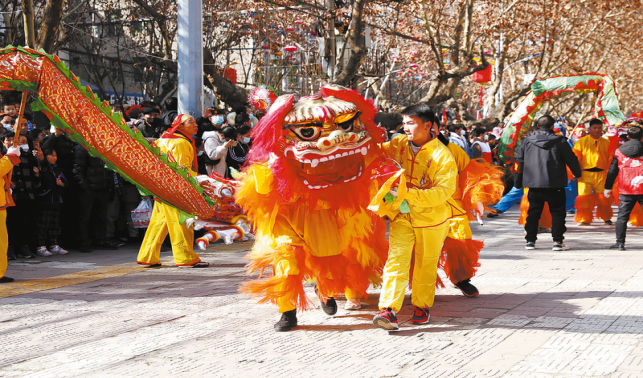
(178, 150)
(593, 153)
(6, 168)
(430, 176)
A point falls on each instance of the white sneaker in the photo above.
(55, 249)
(560, 247)
(353, 304)
(42, 251)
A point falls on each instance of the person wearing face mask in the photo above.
(6, 121)
(480, 148)
(216, 145)
(238, 154)
(457, 135)
(150, 125)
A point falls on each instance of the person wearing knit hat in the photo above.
(180, 148)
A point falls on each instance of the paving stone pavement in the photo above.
(541, 314)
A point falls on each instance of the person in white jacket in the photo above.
(216, 144)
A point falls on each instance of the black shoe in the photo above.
(6, 279)
(530, 245)
(117, 242)
(85, 248)
(619, 246)
(608, 222)
(287, 322)
(107, 244)
(26, 253)
(494, 214)
(466, 288)
(10, 254)
(329, 306)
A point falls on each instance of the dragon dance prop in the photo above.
(92, 123)
(606, 109)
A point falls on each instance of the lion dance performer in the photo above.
(478, 184)
(306, 191)
(419, 206)
(6, 168)
(179, 147)
(594, 157)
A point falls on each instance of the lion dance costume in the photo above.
(478, 184)
(306, 191)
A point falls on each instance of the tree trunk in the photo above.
(358, 49)
(48, 32)
(229, 93)
(27, 8)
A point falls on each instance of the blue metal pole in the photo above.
(190, 57)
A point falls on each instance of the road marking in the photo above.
(55, 282)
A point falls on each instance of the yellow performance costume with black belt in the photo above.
(165, 218)
(431, 176)
(6, 168)
(594, 157)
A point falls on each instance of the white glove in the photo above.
(636, 181)
(13, 151)
(607, 193)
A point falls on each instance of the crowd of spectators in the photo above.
(64, 197)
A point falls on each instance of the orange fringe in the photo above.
(604, 207)
(636, 216)
(480, 182)
(459, 258)
(545, 216)
(585, 208)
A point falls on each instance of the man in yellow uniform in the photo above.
(419, 229)
(594, 157)
(179, 147)
(6, 168)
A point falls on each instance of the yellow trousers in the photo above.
(459, 228)
(404, 241)
(4, 242)
(590, 194)
(165, 219)
(592, 182)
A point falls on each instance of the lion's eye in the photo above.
(348, 124)
(307, 133)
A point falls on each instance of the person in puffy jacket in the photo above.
(627, 165)
(542, 160)
(95, 182)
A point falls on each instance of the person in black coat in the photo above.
(542, 160)
(95, 182)
(50, 199)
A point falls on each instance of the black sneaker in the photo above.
(85, 248)
(420, 316)
(6, 279)
(608, 222)
(559, 246)
(466, 288)
(618, 246)
(329, 306)
(10, 254)
(530, 245)
(117, 242)
(386, 319)
(287, 322)
(25, 253)
(107, 244)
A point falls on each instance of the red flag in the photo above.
(444, 116)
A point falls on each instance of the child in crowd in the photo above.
(50, 198)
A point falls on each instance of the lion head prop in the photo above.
(320, 146)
